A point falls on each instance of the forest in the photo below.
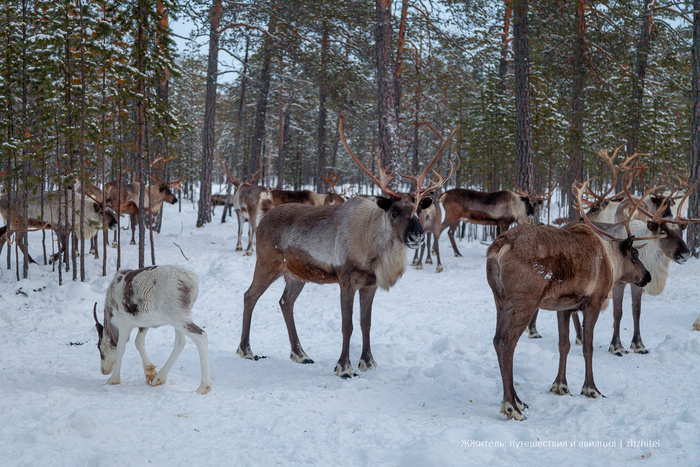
(95, 91)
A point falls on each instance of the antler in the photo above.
(330, 180)
(433, 184)
(230, 178)
(384, 177)
(610, 162)
(579, 188)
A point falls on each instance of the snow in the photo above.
(434, 398)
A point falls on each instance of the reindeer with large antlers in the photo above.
(360, 245)
(565, 270)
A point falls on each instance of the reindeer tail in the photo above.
(498, 248)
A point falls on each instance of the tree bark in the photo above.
(388, 122)
(261, 109)
(400, 46)
(204, 213)
(523, 133)
(643, 45)
(577, 106)
(503, 62)
(694, 163)
(323, 93)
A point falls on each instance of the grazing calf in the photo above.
(430, 220)
(307, 197)
(148, 298)
(531, 267)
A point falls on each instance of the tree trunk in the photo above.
(523, 134)
(284, 144)
(388, 122)
(643, 45)
(261, 109)
(577, 107)
(503, 62)
(204, 214)
(400, 46)
(694, 202)
(323, 92)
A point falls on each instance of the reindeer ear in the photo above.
(653, 226)
(626, 244)
(162, 188)
(99, 327)
(384, 203)
(426, 202)
(96, 207)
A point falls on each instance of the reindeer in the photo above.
(148, 298)
(48, 211)
(430, 221)
(306, 197)
(251, 203)
(128, 195)
(499, 208)
(531, 267)
(360, 245)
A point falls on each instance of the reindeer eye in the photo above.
(635, 254)
(394, 214)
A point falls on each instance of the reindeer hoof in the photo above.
(511, 412)
(415, 263)
(639, 348)
(696, 325)
(419, 266)
(533, 335)
(114, 381)
(428, 261)
(239, 248)
(344, 372)
(132, 243)
(114, 244)
(578, 341)
(591, 392)
(158, 380)
(248, 253)
(560, 389)
(246, 353)
(150, 373)
(457, 255)
(204, 389)
(617, 350)
(301, 358)
(439, 268)
(367, 364)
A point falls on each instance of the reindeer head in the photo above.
(402, 209)
(632, 268)
(106, 344)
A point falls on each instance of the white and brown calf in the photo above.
(148, 298)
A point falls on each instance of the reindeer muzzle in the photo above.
(414, 236)
(682, 255)
(644, 280)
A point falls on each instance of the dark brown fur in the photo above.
(307, 197)
(532, 267)
(499, 208)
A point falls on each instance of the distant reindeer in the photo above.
(499, 208)
(306, 197)
(43, 213)
(532, 267)
(430, 220)
(251, 203)
(360, 245)
(126, 197)
(147, 298)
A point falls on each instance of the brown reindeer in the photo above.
(50, 213)
(532, 267)
(499, 208)
(430, 220)
(128, 199)
(251, 202)
(306, 197)
(360, 245)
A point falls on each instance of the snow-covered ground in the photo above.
(433, 399)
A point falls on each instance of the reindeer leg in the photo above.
(415, 259)
(510, 325)
(532, 327)
(428, 259)
(616, 345)
(133, 230)
(590, 316)
(149, 369)
(637, 345)
(436, 248)
(347, 295)
(162, 375)
(451, 235)
(291, 291)
(560, 385)
(121, 346)
(23, 247)
(239, 216)
(577, 328)
(263, 277)
(199, 337)
(366, 299)
(251, 236)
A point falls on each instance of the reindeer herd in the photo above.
(361, 243)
